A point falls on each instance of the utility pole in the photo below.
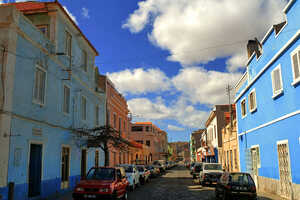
(228, 90)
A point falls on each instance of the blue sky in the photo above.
(172, 59)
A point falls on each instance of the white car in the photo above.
(132, 175)
(144, 174)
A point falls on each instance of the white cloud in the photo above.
(236, 62)
(140, 81)
(204, 87)
(85, 12)
(70, 14)
(199, 31)
(175, 128)
(180, 111)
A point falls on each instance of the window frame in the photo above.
(297, 53)
(243, 116)
(280, 91)
(46, 34)
(84, 55)
(63, 107)
(81, 108)
(68, 53)
(97, 115)
(259, 155)
(34, 100)
(253, 91)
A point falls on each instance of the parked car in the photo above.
(162, 165)
(210, 174)
(102, 183)
(196, 170)
(132, 175)
(236, 185)
(154, 171)
(144, 174)
(192, 167)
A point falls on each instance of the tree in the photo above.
(104, 137)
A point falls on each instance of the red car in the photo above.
(102, 183)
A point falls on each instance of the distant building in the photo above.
(214, 124)
(181, 151)
(195, 144)
(47, 94)
(148, 134)
(268, 108)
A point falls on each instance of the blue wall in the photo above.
(56, 126)
(269, 109)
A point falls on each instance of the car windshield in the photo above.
(101, 174)
(128, 169)
(141, 169)
(198, 168)
(213, 167)
(241, 179)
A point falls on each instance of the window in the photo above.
(147, 128)
(68, 47)
(235, 159)
(243, 108)
(115, 120)
(66, 105)
(84, 61)
(124, 125)
(277, 81)
(148, 143)
(296, 66)
(252, 101)
(97, 115)
(137, 129)
(44, 29)
(120, 124)
(39, 86)
(83, 108)
(140, 141)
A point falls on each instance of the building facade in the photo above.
(117, 113)
(150, 135)
(195, 144)
(268, 108)
(47, 94)
(214, 124)
(230, 150)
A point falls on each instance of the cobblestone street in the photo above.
(176, 184)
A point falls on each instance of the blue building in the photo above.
(48, 91)
(268, 108)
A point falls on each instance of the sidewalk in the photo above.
(266, 196)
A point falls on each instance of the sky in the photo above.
(172, 59)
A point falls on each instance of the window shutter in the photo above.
(296, 65)
(276, 81)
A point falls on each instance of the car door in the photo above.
(119, 185)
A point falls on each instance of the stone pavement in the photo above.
(177, 184)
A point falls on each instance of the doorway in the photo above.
(35, 170)
(284, 170)
(65, 167)
(83, 163)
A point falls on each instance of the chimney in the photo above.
(254, 46)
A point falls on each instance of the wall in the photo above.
(56, 127)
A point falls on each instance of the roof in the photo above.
(40, 7)
(148, 123)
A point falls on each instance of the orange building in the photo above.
(117, 117)
(146, 133)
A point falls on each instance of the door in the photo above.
(255, 162)
(35, 170)
(284, 170)
(83, 163)
(65, 167)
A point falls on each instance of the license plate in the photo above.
(91, 196)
